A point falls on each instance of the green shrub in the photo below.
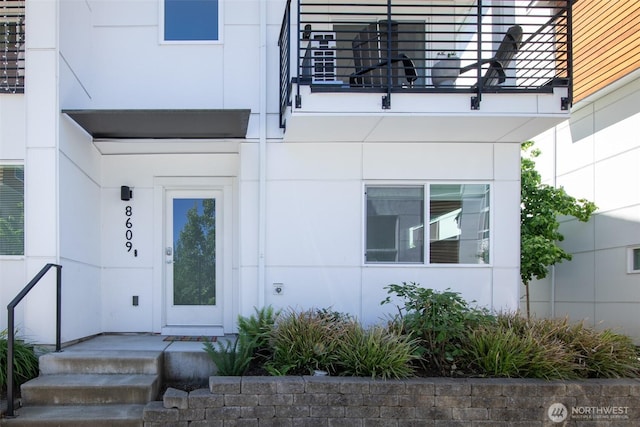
(306, 341)
(550, 348)
(500, 351)
(608, 355)
(440, 321)
(25, 362)
(232, 357)
(376, 352)
(599, 354)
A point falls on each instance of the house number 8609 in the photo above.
(128, 234)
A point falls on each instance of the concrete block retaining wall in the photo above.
(362, 402)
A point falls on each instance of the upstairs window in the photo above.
(191, 20)
(11, 210)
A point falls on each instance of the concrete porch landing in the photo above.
(183, 361)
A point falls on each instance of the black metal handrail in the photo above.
(11, 326)
(388, 46)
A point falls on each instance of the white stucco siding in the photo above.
(106, 54)
(132, 68)
(126, 275)
(12, 128)
(315, 217)
(76, 50)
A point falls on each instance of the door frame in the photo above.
(225, 288)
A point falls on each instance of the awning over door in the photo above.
(189, 124)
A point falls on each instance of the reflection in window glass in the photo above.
(459, 223)
(11, 210)
(194, 248)
(395, 224)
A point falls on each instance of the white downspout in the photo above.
(554, 183)
(262, 157)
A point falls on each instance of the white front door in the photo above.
(193, 261)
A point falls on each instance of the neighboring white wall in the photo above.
(12, 146)
(12, 127)
(597, 156)
(315, 217)
(79, 175)
(80, 231)
(76, 54)
(41, 165)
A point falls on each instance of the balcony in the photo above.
(446, 70)
(12, 46)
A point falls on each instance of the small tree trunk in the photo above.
(526, 286)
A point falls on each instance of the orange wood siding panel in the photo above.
(606, 43)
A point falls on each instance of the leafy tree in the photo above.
(195, 257)
(541, 204)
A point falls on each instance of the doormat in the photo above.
(187, 338)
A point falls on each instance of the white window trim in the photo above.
(630, 251)
(427, 196)
(162, 41)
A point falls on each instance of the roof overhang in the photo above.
(162, 124)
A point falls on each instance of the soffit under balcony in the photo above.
(424, 118)
(162, 124)
(416, 128)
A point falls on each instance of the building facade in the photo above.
(185, 165)
(596, 155)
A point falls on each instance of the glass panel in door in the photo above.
(191, 257)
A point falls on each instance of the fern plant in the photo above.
(232, 357)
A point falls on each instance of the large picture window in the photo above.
(11, 210)
(458, 230)
(191, 20)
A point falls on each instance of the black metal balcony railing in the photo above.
(12, 46)
(389, 46)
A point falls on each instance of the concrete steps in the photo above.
(90, 388)
(101, 362)
(78, 416)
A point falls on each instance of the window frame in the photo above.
(161, 27)
(630, 256)
(426, 185)
(4, 164)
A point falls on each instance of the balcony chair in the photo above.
(508, 48)
(370, 58)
